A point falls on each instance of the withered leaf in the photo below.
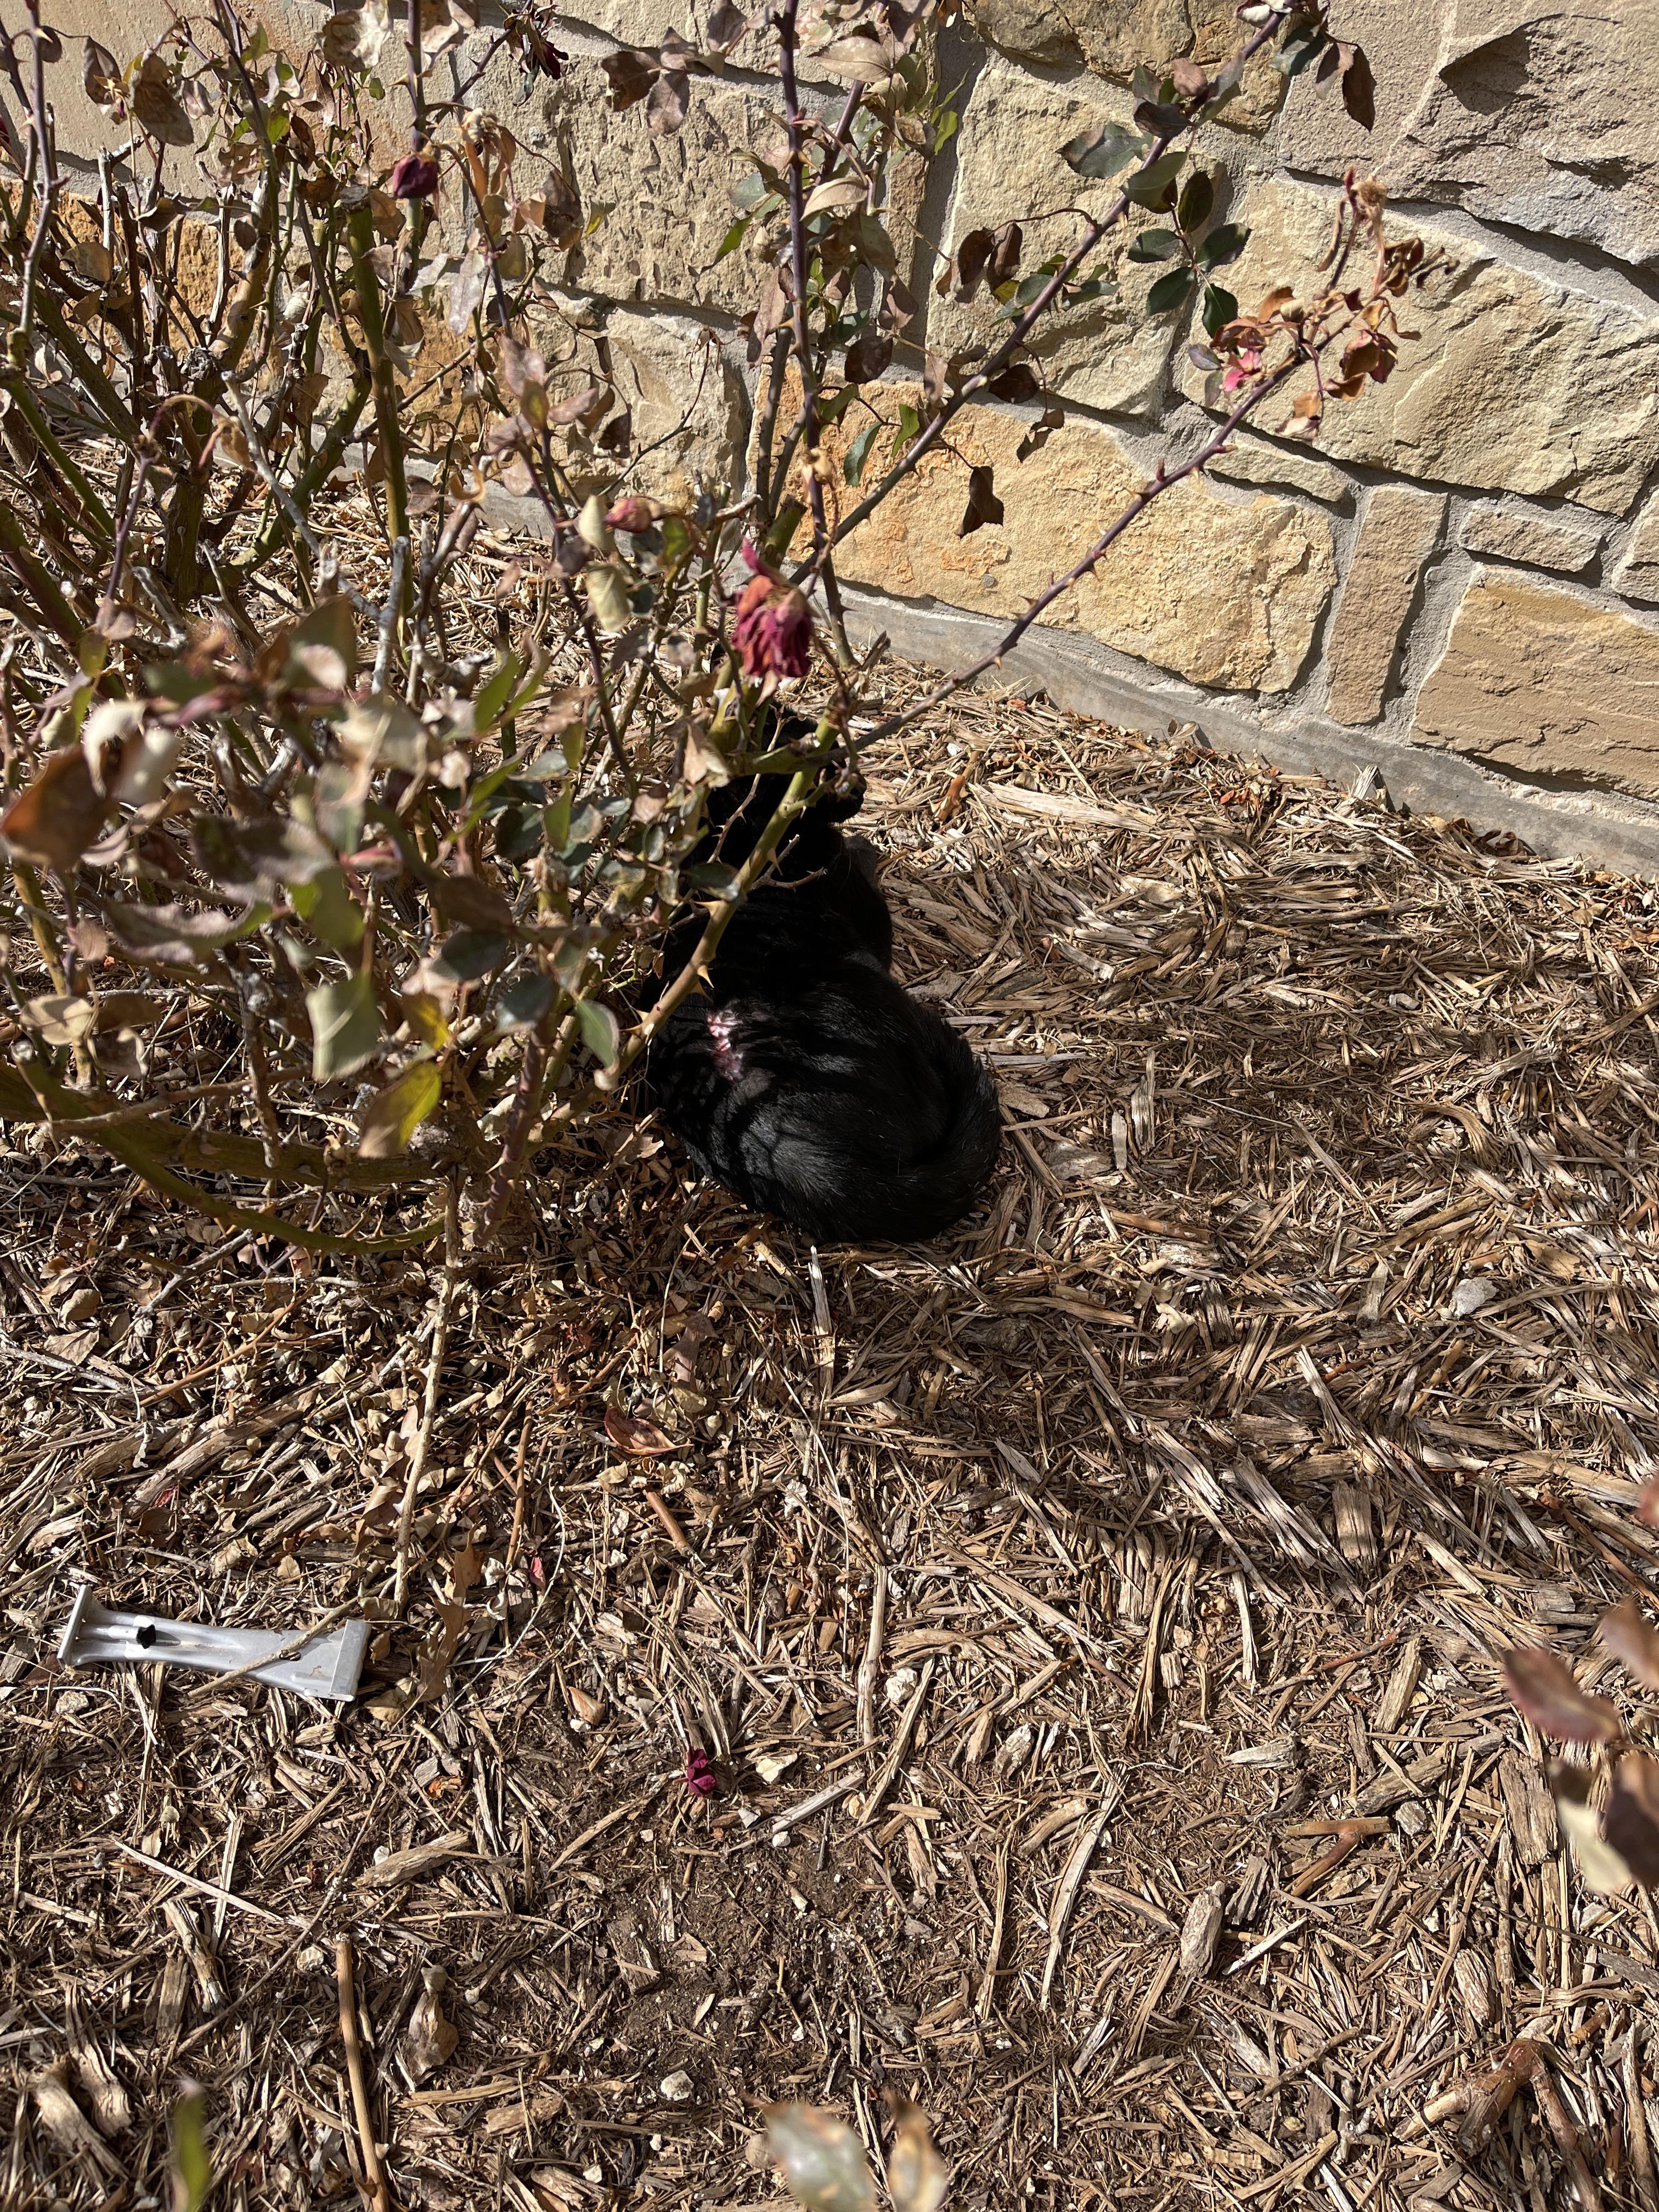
(1542, 1686)
(1579, 1810)
(823, 2164)
(54, 819)
(157, 107)
(867, 356)
(1019, 380)
(854, 60)
(632, 73)
(667, 102)
(429, 2038)
(1188, 79)
(469, 903)
(1004, 259)
(1634, 1640)
(101, 75)
(1630, 1822)
(173, 936)
(983, 505)
(972, 258)
(1358, 86)
(916, 2179)
(639, 1438)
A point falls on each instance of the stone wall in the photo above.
(1457, 589)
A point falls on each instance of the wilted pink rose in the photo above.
(414, 178)
(699, 1774)
(1241, 370)
(773, 632)
(633, 514)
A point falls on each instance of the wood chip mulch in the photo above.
(1088, 1622)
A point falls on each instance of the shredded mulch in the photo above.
(1088, 1622)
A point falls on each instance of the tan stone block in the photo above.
(1524, 112)
(1250, 459)
(1535, 678)
(1224, 593)
(1504, 535)
(687, 402)
(670, 199)
(1638, 575)
(1114, 37)
(1396, 536)
(1107, 354)
(1515, 384)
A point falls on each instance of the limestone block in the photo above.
(1503, 534)
(1399, 531)
(1113, 37)
(1515, 383)
(1638, 575)
(1254, 460)
(1535, 678)
(687, 399)
(1225, 594)
(1106, 354)
(670, 198)
(1524, 112)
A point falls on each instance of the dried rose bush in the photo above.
(295, 833)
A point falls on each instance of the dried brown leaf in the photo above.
(1543, 1688)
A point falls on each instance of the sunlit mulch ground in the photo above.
(1042, 1598)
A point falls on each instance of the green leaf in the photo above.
(492, 693)
(466, 954)
(1154, 186)
(1308, 45)
(1154, 246)
(1220, 308)
(518, 833)
(734, 237)
(192, 2170)
(859, 452)
(607, 594)
(823, 2164)
(1169, 292)
(714, 879)
(675, 549)
(336, 799)
(1102, 152)
(345, 1026)
(524, 1002)
(326, 907)
(1197, 198)
(1224, 243)
(392, 1115)
(321, 649)
(599, 1031)
(946, 126)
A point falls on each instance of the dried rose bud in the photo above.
(414, 178)
(633, 514)
(773, 632)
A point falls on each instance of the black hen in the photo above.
(806, 1080)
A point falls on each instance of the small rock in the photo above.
(1471, 1294)
(679, 2088)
